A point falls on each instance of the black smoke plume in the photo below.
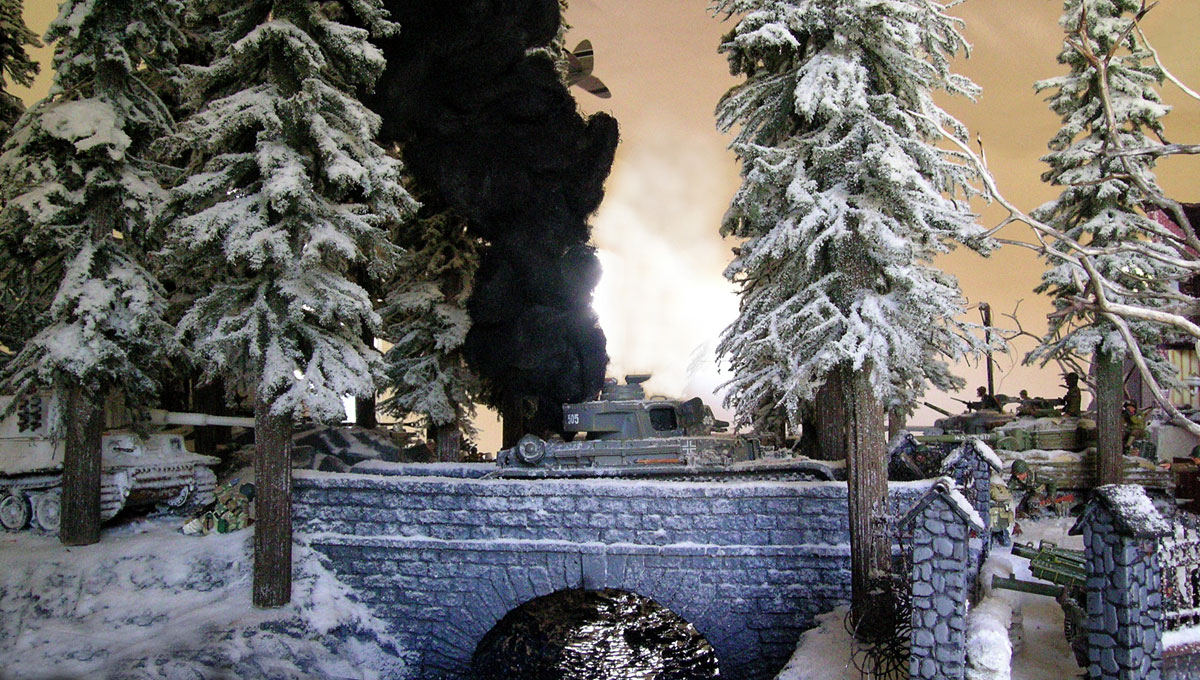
(492, 129)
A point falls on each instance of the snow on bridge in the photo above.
(443, 559)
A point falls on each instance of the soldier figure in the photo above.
(1133, 424)
(987, 402)
(1075, 626)
(1026, 407)
(1072, 400)
(1034, 494)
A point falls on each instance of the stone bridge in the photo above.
(443, 559)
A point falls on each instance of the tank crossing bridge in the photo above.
(441, 559)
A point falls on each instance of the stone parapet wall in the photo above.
(442, 560)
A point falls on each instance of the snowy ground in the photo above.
(149, 602)
(824, 652)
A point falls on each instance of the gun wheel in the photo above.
(14, 511)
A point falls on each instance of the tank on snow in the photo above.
(628, 434)
(135, 470)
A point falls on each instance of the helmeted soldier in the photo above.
(1034, 493)
(1073, 399)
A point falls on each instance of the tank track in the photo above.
(34, 499)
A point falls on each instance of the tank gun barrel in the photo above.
(159, 417)
(939, 409)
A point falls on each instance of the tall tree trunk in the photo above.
(272, 507)
(364, 413)
(513, 421)
(830, 419)
(210, 399)
(866, 468)
(1110, 392)
(896, 422)
(83, 424)
(447, 439)
(364, 409)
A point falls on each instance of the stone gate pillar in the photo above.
(1120, 529)
(971, 466)
(941, 524)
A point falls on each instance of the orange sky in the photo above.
(663, 300)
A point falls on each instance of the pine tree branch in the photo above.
(1166, 72)
(1156, 151)
(1118, 317)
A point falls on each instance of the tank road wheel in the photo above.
(46, 511)
(531, 450)
(14, 511)
(180, 499)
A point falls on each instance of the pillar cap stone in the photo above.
(1134, 515)
(944, 489)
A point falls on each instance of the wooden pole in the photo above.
(272, 507)
(1110, 393)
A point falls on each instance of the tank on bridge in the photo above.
(628, 434)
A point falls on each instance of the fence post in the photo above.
(941, 524)
(1120, 529)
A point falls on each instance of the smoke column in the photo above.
(496, 134)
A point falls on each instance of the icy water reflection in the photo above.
(594, 635)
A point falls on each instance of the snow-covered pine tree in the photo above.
(1100, 204)
(79, 198)
(845, 201)
(287, 190)
(425, 318)
(16, 66)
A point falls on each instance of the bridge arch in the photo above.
(579, 633)
(443, 560)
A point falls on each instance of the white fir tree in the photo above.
(846, 199)
(16, 66)
(1107, 102)
(426, 320)
(287, 191)
(79, 198)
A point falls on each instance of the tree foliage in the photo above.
(425, 318)
(80, 194)
(1108, 100)
(845, 198)
(286, 191)
(16, 66)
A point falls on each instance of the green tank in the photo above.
(628, 434)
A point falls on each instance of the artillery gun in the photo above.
(1066, 571)
(629, 435)
(135, 470)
